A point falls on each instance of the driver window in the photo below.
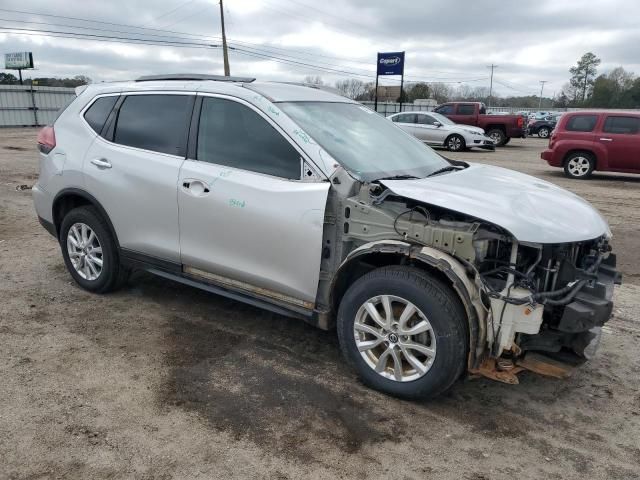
(234, 135)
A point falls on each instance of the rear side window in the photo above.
(425, 119)
(98, 112)
(234, 135)
(154, 122)
(466, 109)
(630, 125)
(581, 123)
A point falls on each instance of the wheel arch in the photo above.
(439, 264)
(71, 198)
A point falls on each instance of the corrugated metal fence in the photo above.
(26, 106)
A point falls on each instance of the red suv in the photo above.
(586, 141)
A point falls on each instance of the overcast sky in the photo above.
(451, 41)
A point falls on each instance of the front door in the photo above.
(428, 131)
(247, 220)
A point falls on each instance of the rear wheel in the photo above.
(404, 332)
(498, 136)
(90, 251)
(544, 132)
(579, 165)
(455, 143)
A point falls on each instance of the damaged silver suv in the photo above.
(311, 205)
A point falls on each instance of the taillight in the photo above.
(520, 122)
(46, 139)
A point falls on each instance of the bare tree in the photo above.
(313, 80)
(441, 91)
(351, 87)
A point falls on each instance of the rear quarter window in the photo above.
(581, 123)
(96, 115)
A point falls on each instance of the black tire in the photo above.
(543, 132)
(579, 165)
(113, 274)
(498, 136)
(442, 308)
(455, 143)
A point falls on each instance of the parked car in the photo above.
(587, 141)
(501, 128)
(311, 205)
(543, 127)
(435, 129)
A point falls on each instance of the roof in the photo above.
(273, 91)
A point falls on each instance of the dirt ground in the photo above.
(164, 381)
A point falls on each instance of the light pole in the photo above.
(542, 82)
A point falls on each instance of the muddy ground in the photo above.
(164, 381)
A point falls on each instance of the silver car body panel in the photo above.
(532, 210)
(236, 228)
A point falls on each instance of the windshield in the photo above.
(365, 143)
(441, 118)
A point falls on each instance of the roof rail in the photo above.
(194, 76)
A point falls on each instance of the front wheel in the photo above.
(455, 143)
(404, 332)
(544, 132)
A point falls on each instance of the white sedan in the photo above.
(435, 129)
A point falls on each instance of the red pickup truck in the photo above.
(501, 128)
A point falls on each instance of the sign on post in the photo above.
(390, 63)
(18, 60)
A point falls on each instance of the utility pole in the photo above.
(225, 53)
(492, 66)
(542, 82)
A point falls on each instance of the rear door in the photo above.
(133, 170)
(247, 218)
(405, 121)
(427, 131)
(621, 137)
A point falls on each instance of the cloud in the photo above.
(449, 41)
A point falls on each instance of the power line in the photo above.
(182, 5)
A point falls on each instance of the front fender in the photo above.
(467, 289)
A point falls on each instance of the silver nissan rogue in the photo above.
(311, 205)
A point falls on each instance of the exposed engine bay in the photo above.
(548, 299)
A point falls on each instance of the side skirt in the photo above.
(174, 271)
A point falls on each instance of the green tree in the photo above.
(8, 79)
(583, 73)
(419, 90)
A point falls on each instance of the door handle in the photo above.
(101, 163)
(197, 188)
(607, 139)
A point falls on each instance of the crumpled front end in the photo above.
(547, 305)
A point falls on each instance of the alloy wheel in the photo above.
(85, 251)
(394, 338)
(579, 166)
(455, 144)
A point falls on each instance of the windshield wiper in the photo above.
(448, 168)
(398, 177)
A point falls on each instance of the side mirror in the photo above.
(437, 124)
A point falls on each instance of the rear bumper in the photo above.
(550, 158)
(48, 226)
